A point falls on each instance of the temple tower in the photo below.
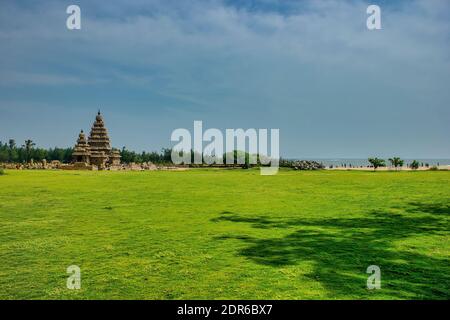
(99, 143)
(96, 151)
(81, 152)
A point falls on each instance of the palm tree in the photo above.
(29, 144)
(396, 162)
(12, 144)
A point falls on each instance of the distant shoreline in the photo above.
(389, 168)
(363, 162)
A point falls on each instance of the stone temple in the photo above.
(96, 151)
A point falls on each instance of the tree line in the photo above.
(154, 157)
(10, 152)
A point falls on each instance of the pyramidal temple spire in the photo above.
(97, 149)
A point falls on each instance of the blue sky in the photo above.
(309, 68)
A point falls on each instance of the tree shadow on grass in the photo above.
(341, 249)
(432, 208)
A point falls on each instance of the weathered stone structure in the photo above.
(81, 152)
(96, 151)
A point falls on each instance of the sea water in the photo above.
(365, 163)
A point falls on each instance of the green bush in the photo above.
(434, 168)
(376, 163)
(2, 171)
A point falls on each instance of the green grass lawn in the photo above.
(224, 234)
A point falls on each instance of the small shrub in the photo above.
(434, 168)
(2, 171)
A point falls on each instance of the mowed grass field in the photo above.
(224, 234)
